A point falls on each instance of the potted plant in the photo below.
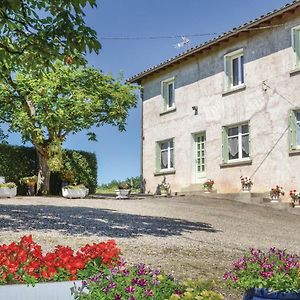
(295, 198)
(246, 184)
(276, 192)
(164, 187)
(27, 273)
(123, 191)
(30, 182)
(75, 191)
(8, 190)
(266, 275)
(208, 185)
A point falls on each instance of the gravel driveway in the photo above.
(191, 236)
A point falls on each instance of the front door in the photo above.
(200, 156)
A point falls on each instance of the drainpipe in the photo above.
(142, 142)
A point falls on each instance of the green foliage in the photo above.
(134, 182)
(35, 33)
(197, 290)
(17, 162)
(137, 282)
(82, 166)
(45, 109)
(275, 270)
(9, 185)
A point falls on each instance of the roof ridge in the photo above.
(196, 48)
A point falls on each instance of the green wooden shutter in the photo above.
(225, 154)
(296, 38)
(173, 153)
(249, 139)
(228, 79)
(292, 131)
(157, 157)
(164, 94)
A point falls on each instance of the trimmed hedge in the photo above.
(19, 161)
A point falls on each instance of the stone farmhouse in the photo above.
(227, 108)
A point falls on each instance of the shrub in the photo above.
(17, 162)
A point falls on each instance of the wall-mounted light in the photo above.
(195, 108)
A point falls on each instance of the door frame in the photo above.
(194, 167)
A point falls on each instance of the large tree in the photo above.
(34, 33)
(65, 99)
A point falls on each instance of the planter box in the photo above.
(41, 291)
(6, 192)
(74, 193)
(264, 294)
(122, 194)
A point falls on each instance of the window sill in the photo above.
(173, 109)
(236, 164)
(294, 152)
(295, 72)
(165, 172)
(234, 90)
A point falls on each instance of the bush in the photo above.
(17, 162)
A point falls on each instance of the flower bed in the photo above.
(24, 262)
(142, 283)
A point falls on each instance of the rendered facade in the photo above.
(227, 108)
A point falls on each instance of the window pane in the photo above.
(233, 131)
(245, 146)
(245, 129)
(298, 127)
(164, 160)
(171, 159)
(164, 146)
(235, 71)
(171, 144)
(170, 94)
(233, 148)
(242, 69)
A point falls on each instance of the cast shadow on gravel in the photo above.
(92, 221)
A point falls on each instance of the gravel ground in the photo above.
(190, 236)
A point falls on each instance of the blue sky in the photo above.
(118, 153)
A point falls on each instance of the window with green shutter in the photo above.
(168, 93)
(296, 46)
(234, 70)
(294, 130)
(165, 155)
(235, 143)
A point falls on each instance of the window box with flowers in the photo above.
(208, 185)
(276, 192)
(246, 184)
(27, 273)
(8, 190)
(266, 275)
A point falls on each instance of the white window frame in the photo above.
(239, 135)
(166, 97)
(168, 150)
(296, 48)
(228, 61)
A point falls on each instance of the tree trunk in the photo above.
(43, 183)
